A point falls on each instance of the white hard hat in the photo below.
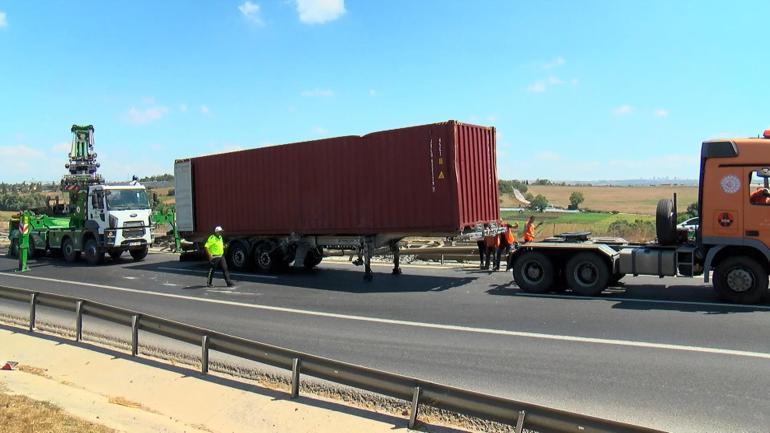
(218, 229)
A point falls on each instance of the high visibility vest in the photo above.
(509, 237)
(529, 232)
(215, 245)
(492, 241)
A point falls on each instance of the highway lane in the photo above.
(680, 390)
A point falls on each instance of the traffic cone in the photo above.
(10, 365)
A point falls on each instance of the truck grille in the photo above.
(133, 229)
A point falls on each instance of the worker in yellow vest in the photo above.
(215, 249)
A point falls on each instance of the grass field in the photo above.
(626, 199)
(596, 223)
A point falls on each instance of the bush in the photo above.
(539, 203)
(575, 199)
(638, 229)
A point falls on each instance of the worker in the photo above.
(491, 243)
(760, 196)
(507, 240)
(529, 229)
(215, 249)
(482, 246)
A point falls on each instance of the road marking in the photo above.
(555, 337)
(237, 274)
(648, 301)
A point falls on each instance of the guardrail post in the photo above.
(295, 365)
(205, 354)
(134, 335)
(78, 321)
(32, 302)
(520, 421)
(415, 407)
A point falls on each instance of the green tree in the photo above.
(692, 209)
(539, 203)
(575, 199)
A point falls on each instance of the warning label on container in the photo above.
(441, 174)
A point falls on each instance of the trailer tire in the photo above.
(238, 255)
(265, 257)
(587, 274)
(665, 222)
(534, 272)
(313, 258)
(68, 250)
(139, 254)
(741, 280)
(93, 255)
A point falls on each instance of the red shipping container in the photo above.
(422, 180)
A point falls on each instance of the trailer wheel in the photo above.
(587, 274)
(139, 254)
(740, 279)
(13, 249)
(68, 250)
(313, 258)
(534, 273)
(265, 258)
(665, 222)
(238, 255)
(93, 255)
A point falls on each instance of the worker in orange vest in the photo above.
(491, 242)
(529, 229)
(507, 239)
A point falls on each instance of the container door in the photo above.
(756, 214)
(184, 198)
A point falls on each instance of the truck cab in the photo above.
(119, 218)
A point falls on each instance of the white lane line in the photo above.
(647, 301)
(556, 337)
(200, 271)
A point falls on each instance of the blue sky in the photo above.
(578, 90)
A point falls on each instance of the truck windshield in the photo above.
(124, 199)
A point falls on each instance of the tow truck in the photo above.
(99, 218)
(732, 240)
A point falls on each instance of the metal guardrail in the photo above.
(418, 392)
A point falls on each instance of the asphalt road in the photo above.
(663, 353)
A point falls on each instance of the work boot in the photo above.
(230, 284)
(209, 285)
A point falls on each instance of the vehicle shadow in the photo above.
(331, 279)
(685, 298)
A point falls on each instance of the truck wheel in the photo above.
(534, 273)
(740, 279)
(13, 249)
(139, 254)
(264, 257)
(238, 255)
(587, 274)
(115, 254)
(313, 258)
(93, 254)
(665, 222)
(68, 251)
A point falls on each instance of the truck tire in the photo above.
(139, 254)
(238, 255)
(313, 258)
(13, 249)
(265, 257)
(665, 222)
(741, 280)
(68, 250)
(92, 253)
(534, 272)
(115, 254)
(587, 274)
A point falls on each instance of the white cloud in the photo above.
(547, 155)
(317, 93)
(661, 112)
(205, 110)
(63, 147)
(537, 87)
(183, 108)
(20, 152)
(623, 110)
(319, 11)
(555, 63)
(3, 19)
(143, 116)
(251, 12)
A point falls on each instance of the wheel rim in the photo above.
(67, 249)
(586, 273)
(239, 258)
(740, 280)
(533, 272)
(264, 259)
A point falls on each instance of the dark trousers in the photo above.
(503, 249)
(218, 262)
(482, 250)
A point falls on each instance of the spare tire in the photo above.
(665, 222)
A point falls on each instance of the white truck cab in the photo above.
(120, 217)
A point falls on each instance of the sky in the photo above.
(578, 90)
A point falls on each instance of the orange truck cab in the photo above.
(732, 240)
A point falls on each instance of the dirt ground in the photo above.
(21, 414)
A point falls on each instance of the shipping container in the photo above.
(430, 180)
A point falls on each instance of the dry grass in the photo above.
(626, 199)
(121, 401)
(21, 414)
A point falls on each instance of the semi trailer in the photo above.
(732, 239)
(283, 205)
(98, 219)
